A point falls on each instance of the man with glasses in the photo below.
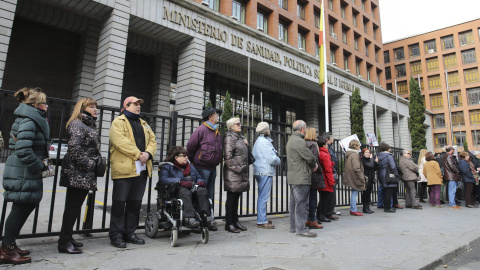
(409, 176)
(205, 151)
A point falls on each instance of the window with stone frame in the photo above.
(450, 60)
(400, 71)
(301, 10)
(466, 38)
(473, 96)
(430, 46)
(439, 120)
(471, 75)
(456, 99)
(453, 78)
(416, 67)
(469, 56)
(283, 31)
(399, 54)
(447, 42)
(262, 21)
(283, 4)
(386, 57)
(440, 140)
(434, 82)
(458, 119)
(459, 138)
(238, 10)
(436, 101)
(432, 64)
(414, 50)
(402, 87)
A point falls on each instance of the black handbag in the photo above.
(251, 158)
(101, 166)
(390, 177)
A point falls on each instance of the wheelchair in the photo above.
(169, 216)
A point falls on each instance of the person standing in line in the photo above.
(354, 177)
(370, 166)
(326, 193)
(467, 177)
(452, 175)
(263, 171)
(409, 177)
(317, 180)
(22, 175)
(423, 180)
(433, 173)
(301, 163)
(331, 213)
(78, 168)
(475, 162)
(205, 152)
(444, 191)
(385, 159)
(1, 142)
(132, 148)
(235, 173)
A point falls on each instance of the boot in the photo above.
(21, 251)
(10, 255)
(366, 209)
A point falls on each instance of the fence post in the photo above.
(172, 138)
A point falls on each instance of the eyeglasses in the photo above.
(43, 103)
(238, 124)
(409, 154)
(181, 155)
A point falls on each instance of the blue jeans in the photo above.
(264, 188)
(381, 196)
(208, 176)
(452, 188)
(312, 205)
(353, 200)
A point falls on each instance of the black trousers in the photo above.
(199, 203)
(326, 200)
(331, 203)
(231, 207)
(389, 192)
(73, 206)
(421, 190)
(127, 198)
(15, 221)
(366, 195)
(395, 195)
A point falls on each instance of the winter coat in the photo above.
(465, 170)
(333, 156)
(235, 168)
(124, 151)
(22, 176)
(450, 168)
(423, 178)
(265, 157)
(1, 142)
(80, 161)
(205, 147)
(317, 176)
(300, 161)
(409, 169)
(353, 176)
(439, 159)
(386, 159)
(169, 174)
(327, 167)
(431, 170)
(369, 167)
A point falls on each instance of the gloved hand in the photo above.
(187, 178)
(186, 184)
(201, 184)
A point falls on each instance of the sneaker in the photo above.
(266, 226)
(307, 234)
(191, 222)
(456, 207)
(356, 213)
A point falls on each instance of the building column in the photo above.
(396, 141)
(368, 119)
(429, 137)
(385, 124)
(406, 141)
(311, 112)
(162, 81)
(110, 61)
(7, 14)
(340, 116)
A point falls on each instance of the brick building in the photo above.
(427, 56)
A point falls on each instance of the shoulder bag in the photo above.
(390, 177)
(251, 158)
(101, 165)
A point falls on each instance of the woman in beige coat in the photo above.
(432, 171)
(353, 176)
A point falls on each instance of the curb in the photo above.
(450, 255)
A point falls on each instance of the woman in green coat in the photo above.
(22, 177)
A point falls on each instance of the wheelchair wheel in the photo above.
(151, 224)
(174, 237)
(205, 235)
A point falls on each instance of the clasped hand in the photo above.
(144, 156)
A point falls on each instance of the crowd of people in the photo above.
(190, 172)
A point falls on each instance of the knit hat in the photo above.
(262, 127)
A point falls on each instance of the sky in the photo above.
(403, 18)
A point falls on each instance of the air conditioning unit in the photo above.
(206, 3)
(347, 70)
(235, 18)
(333, 35)
(335, 64)
(431, 51)
(360, 76)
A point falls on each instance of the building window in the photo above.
(450, 60)
(316, 16)
(367, 45)
(447, 42)
(389, 87)
(386, 57)
(354, 18)
(434, 82)
(238, 10)
(471, 75)
(400, 71)
(363, 5)
(301, 11)
(369, 69)
(388, 73)
(458, 119)
(344, 35)
(330, 4)
(439, 121)
(430, 46)
(421, 85)
(333, 58)
(375, 33)
(475, 117)
(458, 138)
(414, 50)
(416, 67)
(301, 40)
(475, 136)
(469, 56)
(376, 54)
(357, 67)
(283, 32)
(473, 95)
(283, 4)
(355, 41)
(345, 61)
(440, 140)
(213, 4)
(456, 99)
(331, 28)
(436, 101)
(399, 54)
(343, 11)
(378, 78)
(466, 38)
(365, 27)
(432, 64)
(402, 88)
(262, 22)
(317, 47)
(453, 78)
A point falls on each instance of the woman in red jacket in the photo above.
(326, 194)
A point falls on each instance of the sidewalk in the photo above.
(408, 239)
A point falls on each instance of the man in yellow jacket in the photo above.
(132, 148)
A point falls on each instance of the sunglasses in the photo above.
(238, 124)
(181, 155)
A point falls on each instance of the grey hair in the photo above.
(298, 125)
(231, 122)
(327, 135)
(405, 151)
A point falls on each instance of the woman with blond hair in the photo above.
(317, 179)
(22, 176)
(423, 180)
(78, 168)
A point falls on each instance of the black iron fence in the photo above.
(170, 130)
